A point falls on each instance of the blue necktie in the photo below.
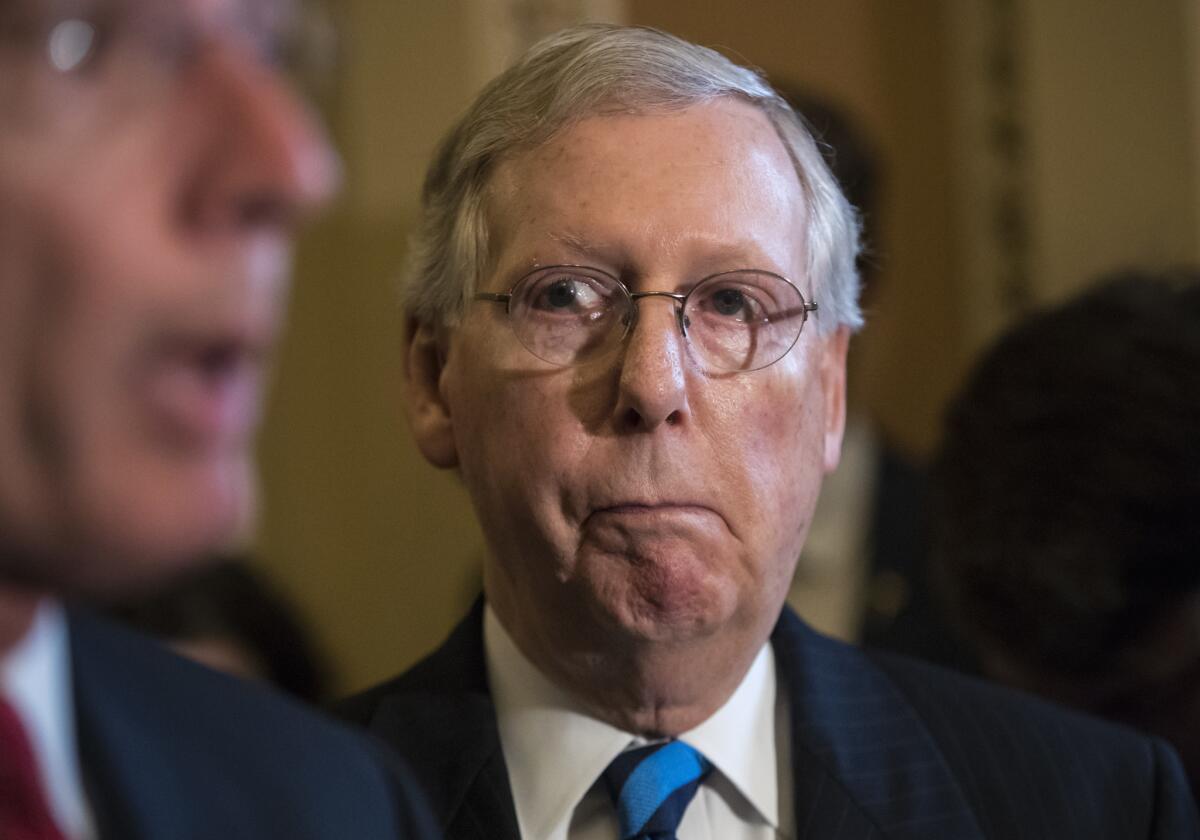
(652, 787)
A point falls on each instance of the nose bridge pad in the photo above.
(630, 320)
(652, 378)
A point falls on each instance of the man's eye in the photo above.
(560, 295)
(728, 302)
(565, 294)
(736, 303)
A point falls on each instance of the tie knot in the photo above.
(652, 787)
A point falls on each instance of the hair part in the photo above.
(592, 70)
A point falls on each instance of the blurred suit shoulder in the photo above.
(174, 751)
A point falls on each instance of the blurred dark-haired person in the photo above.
(629, 307)
(231, 617)
(153, 166)
(1068, 512)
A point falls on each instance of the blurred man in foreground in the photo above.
(153, 165)
(631, 297)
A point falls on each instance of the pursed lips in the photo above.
(649, 510)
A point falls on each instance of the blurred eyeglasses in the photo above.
(734, 321)
(149, 42)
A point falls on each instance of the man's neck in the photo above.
(653, 690)
(18, 607)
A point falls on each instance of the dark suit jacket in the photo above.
(173, 751)
(881, 747)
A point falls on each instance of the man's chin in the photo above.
(664, 618)
(670, 599)
(124, 550)
(97, 574)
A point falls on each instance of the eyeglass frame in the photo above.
(680, 300)
(173, 40)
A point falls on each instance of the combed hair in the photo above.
(591, 70)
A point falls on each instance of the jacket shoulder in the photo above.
(160, 729)
(456, 669)
(1021, 760)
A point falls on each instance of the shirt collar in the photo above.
(739, 738)
(35, 678)
(540, 723)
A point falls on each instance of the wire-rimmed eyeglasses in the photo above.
(146, 42)
(739, 320)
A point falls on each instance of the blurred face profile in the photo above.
(640, 496)
(152, 167)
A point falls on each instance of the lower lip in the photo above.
(202, 409)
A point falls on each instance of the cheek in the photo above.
(780, 467)
(518, 448)
(109, 479)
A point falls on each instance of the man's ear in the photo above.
(833, 385)
(428, 412)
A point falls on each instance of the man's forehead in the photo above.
(731, 122)
(654, 167)
(697, 141)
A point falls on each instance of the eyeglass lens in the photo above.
(122, 37)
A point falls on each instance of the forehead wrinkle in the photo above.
(728, 239)
(703, 253)
(586, 248)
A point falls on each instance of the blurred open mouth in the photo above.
(204, 393)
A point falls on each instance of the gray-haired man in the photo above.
(629, 308)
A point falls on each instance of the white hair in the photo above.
(595, 69)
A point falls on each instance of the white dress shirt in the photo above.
(556, 753)
(35, 678)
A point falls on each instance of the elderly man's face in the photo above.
(147, 197)
(639, 498)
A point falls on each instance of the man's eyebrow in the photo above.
(707, 256)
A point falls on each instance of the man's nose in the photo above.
(653, 384)
(269, 161)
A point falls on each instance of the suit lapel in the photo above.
(487, 811)
(443, 721)
(134, 787)
(864, 763)
(453, 746)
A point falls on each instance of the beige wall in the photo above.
(1110, 144)
(1192, 32)
(378, 548)
(1114, 160)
